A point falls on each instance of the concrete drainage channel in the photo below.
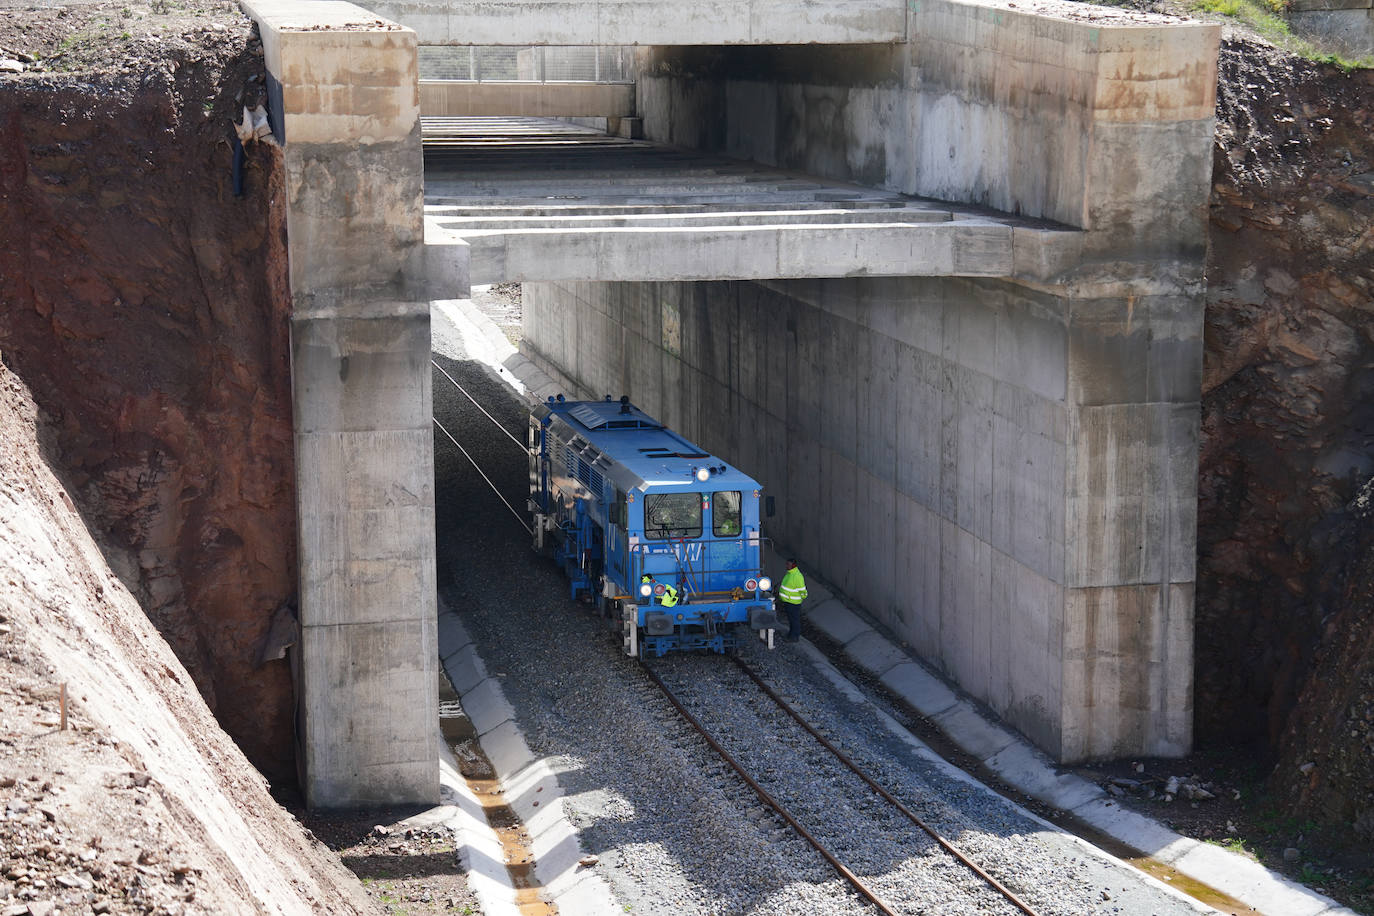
(521, 854)
(467, 757)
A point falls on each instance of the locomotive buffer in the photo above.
(663, 536)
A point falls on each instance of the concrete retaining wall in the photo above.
(1347, 25)
(934, 457)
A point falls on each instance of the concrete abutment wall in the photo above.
(347, 114)
(918, 435)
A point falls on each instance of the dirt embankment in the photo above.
(1285, 621)
(141, 803)
(146, 308)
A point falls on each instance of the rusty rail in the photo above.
(887, 796)
(768, 799)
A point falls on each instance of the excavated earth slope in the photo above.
(1285, 596)
(141, 804)
(146, 308)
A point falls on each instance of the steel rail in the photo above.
(887, 796)
(518, 517)
(768, 799)
(524, 449)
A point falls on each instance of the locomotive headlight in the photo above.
(659, 589)
(646, 589)
(765, 584)
(703, 474)
(751, 585)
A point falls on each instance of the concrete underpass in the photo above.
(935, 280)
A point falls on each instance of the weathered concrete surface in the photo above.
(348, 115)
(464, 98)
(1346, 24)
(1003, 470)
(627, 22)
(929, 460)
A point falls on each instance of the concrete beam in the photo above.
(962, 248)
(649, 22)
(346, 105)
(468, 98)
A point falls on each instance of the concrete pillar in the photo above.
(344, 98)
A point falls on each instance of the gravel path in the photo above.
(674, 829)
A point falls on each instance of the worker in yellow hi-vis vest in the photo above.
(792, 592)
(669, 598)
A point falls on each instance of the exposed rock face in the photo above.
(1288, 412)
(146, 307)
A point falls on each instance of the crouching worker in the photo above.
(792, 592)
(669, 596)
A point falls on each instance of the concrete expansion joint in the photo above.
(339, 625)
(363, 309)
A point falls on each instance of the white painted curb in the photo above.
(1024, 767)
(530, 786)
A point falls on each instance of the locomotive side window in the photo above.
(672, 515)
(725, 513)
(618, 511)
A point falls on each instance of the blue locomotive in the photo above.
(663, 536)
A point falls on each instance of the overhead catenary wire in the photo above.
(509, 435)
(518, 517)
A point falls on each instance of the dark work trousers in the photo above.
(793, 619)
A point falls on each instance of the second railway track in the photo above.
(866, 833)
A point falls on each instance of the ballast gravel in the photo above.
(674, 829)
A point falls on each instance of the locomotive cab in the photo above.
(665, 537)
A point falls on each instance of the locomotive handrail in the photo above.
(689, 574)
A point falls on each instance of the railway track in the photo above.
(864, 888)
(813, 835)
(688, 836)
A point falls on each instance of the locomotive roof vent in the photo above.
(610, 415)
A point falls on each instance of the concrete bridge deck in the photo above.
(539, 200)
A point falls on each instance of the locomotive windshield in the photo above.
(672, 515)
(725, 513)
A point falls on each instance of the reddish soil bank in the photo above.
(1285, 595)
(120, 792)
(146, 308)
